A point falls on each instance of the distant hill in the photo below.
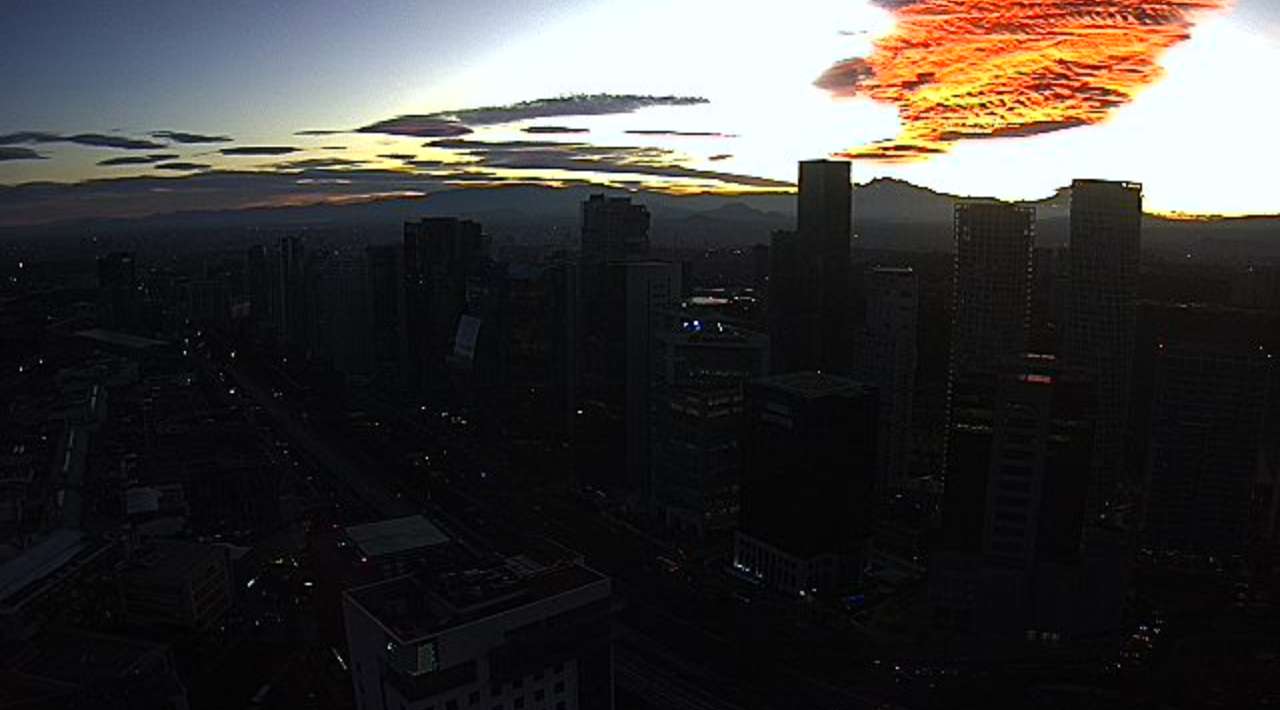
(888, 214)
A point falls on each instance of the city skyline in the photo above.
(155, 111)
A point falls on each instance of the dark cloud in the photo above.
(333, 147)
(180, 166)
(259, 150)
(320, 132)
(138, 159)
(96, 140)
(29, 137)
(554, 130)
(7, 153)
(576, 105)
(179, 187)
(446, 124)
(844, 78)
(581, 157)
(307, 163)
(102, 140)
(398, 156)
(894, 152)
(721, 156)
(468, 144)
(191, 138)
(678, 134)
(418, 126)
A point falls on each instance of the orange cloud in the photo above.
(973, 69)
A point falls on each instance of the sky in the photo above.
(124, 109)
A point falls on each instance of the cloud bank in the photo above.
(8, 153)
(461, 122)
(189, 138)
(95, 140)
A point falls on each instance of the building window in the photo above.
(559, 688)
(518, 703)
(539, 695)
(474, 698)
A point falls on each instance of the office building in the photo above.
(439, 256)
(698, 405)
(291, 292)
(119, 297)
(344, 329)
(641, 297)
(178, 584)
(507, 633)
(37, 584)
(991, 306)
(809, 466)
(208, 302)
(1099, 328)
(1049, 277)
(1207, 424)
(480, 355)
(885, 357)
(72, 668)
(613, 229)
(992, 297)
(1015, 564)
(809, 277)
(259, 289)
(383, 269)
(562, 339)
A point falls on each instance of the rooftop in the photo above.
(73, 656)
(415, 606)
(169, 559)
(812, 385)
(23, 575)
(390, 537)
(111, 337)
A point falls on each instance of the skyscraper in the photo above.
(118, 297)
(885, 356)
(1207, 423)
(698, 404)
(809, 464)
(292, 292)
(439, 255)
(258, 282)
(809, 322)
(383, 268)
(991, 305)
(613, 229)
(641, 296)
(1014, 562)
(1101, 310)
(563, 337)
(343, 306)
(992, 299)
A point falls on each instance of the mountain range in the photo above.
(889, 214)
